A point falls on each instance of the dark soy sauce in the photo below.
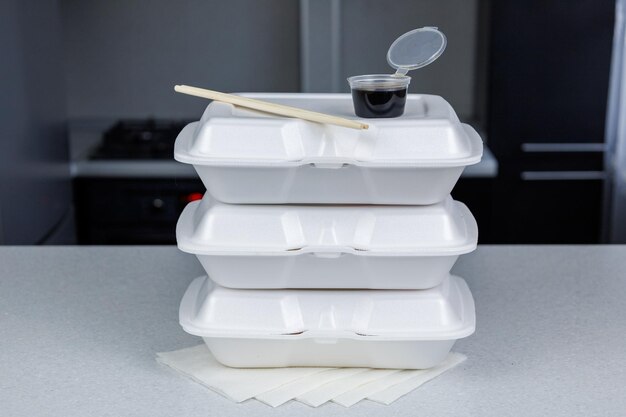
(379, 103)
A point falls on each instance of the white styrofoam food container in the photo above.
(359, 328)
(243, 156)
(292, 246)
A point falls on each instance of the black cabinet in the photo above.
(478, 195)
(548, 73)
(127, 211)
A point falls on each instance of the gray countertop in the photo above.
(79, 328)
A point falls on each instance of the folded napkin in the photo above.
(327, 392)
(311, 386)
(418, 378)
(238, 384)
(303, 385)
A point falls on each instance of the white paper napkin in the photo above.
(303, 385)
(359, 393)
(327, 392)
(420, 377)
(238, 384)
(311, 386)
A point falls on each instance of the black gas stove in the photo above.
(117, 204)
(139, 139)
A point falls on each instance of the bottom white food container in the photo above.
(410, 329)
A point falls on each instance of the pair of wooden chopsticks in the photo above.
(273, 108)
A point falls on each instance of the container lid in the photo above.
(442, 313)
(429, 135)
(416, 49)
(375, 82)
(208, 227)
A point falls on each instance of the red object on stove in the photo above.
(193, 197)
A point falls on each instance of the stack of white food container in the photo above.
(328, 246)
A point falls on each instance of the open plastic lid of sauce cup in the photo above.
(384, 95)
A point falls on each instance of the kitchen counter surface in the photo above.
(80, 326)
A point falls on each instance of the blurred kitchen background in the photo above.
(88, 115)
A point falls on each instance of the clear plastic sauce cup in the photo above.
(379, 95)
(384, 95)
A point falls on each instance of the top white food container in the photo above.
(243, 156)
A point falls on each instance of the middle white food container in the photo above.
(360, 328)
(246, 157)
(290, 246)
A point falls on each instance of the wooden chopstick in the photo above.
(273, 108)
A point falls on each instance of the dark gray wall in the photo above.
(34, 174)
(124, 57)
